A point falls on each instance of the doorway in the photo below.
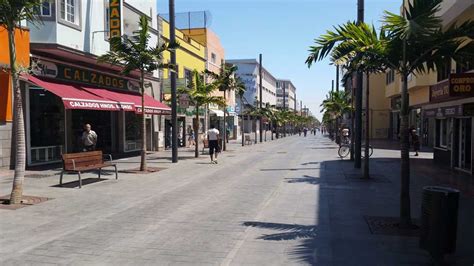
(463, 147)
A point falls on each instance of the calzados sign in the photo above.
(115, 19)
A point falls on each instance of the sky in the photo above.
(283, 30)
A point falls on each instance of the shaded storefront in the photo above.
(450, 115)
(61, 99)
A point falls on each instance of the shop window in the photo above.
(213, 58)
(444, 71)
(69, 12)
(107, 20)
(464, 66)
(46, 118)
(389, 77)
(188, 75)
(45, 8)
(132, 131)
(443, 134)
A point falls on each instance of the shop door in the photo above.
(463, 157)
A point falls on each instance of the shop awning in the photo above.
(216, 112)
(76, 97)
(152, 106)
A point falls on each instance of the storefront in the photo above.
(60, 98)
(450, 115)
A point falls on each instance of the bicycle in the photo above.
(345, 149)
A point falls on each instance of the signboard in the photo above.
(184, 100)
(93, 105)
(461, 84)
(441, 112)
(439, 91)
(84, 76)
(115, 18)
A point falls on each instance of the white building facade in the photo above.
(70, 88)
(286, 95)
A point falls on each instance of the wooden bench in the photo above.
(85, 161)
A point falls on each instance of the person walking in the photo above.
(213, 140)
(89, 138)
(191, 137)
(415, 140)
(305, 131)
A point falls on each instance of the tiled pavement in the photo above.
(286, 202)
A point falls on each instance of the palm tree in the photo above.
(226, 78)
(239, 88)
(134, 54)
(12, 13)
(200, 94)
(419, 44)
(336, 105)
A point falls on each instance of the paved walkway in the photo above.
(286, 202)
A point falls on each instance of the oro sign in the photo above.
(461, 84)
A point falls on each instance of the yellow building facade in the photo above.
(190, 56)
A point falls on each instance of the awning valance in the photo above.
(76, 97)
(152, 106)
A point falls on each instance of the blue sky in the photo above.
(282, 30)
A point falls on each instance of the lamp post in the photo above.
(261, 99)
(174, 115)
(358, 102)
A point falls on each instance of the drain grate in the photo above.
(379, 225)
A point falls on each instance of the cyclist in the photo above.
(345, 134)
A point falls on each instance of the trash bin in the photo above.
(439, 216)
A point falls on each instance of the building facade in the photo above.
(69, 88)
(286, 95)
(449, 115)
(248, 72)
(22, 41)
(190, 56)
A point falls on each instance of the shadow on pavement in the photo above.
(305, 179)
(85, 181)
(292, 231)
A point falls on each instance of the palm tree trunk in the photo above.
(143, 166)
(18, 126)
(405, 208)
(367, 128)
(405, 211)
(196, 133)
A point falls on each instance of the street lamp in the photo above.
(174, 115)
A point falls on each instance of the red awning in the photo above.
(152, 106)
(76, 97)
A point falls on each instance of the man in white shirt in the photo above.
(89, 138)
(213, 140)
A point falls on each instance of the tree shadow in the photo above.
(85, 181)
(305, 179)
(288, 169)
(293, 231)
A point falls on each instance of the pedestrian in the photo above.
(415, 140)
(89, 138)
(299, 131)
(305, 131)
(191, 137)
(213, 140)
